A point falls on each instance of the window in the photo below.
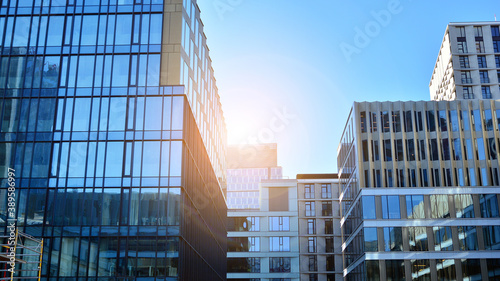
(410, 150)
(313, 263)
(483, 75)
(442, 238)
(313, 277)
(243, 224)
(488, 121)
(326, 208)
(407, 121)
(279, 224)
(478, 31)
(467, 238)
(464, 62)
(398, 149)
(433, 150)
(362, 117)
(373, 122)
(310, 209)
(466, 78)
(311, 244)
(385, 121)
(243, 244)
(439, 206)
(329, 226)
(496, 46)
(415, 206)
(491, 236)
(279, 244)
(497, 61)
(243, 265)
(368, 207)
(393, 239)
(468, 94)
(480, 46)
(396, 121)
(461, 31)
(446, 269)
(489, 205)
(476, 117)
(370, 239)
(485, 90)
(330, 266)
(311, 226)
(421, 268)
(464, 206)
(387, 150)
(471, 269)
(390, 207)
(442, 122)
(279, 264)
(309, 191)
(326, 190)
(418, 238)
(494, 31)
(462, 47)
(481, 62)
(329, 244)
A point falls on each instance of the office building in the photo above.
(319, 227)
(247, 166)
(111, 119)
(419, 190)
(468, 64)
(263, 243)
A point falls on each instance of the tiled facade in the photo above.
(468, 64)
(119, 162)
(319, 227)
(419, 191)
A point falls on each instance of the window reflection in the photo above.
(370, 239)
(443, 239)
(467, 238)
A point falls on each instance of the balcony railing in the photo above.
(485, 80)
(466, 80)
(468, 96)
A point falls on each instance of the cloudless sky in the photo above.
(283, 76)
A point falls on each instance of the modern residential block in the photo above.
(468, 64)
(110, 118)
(419, 190)
(263, 244)
(319, 227)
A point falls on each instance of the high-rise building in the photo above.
(319, 227)
(247, 166)
(263, 244)
(110, 118)
(468, 64)
(419, 190)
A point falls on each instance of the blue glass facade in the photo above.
(113, 167)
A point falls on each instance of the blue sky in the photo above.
(288, 71)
